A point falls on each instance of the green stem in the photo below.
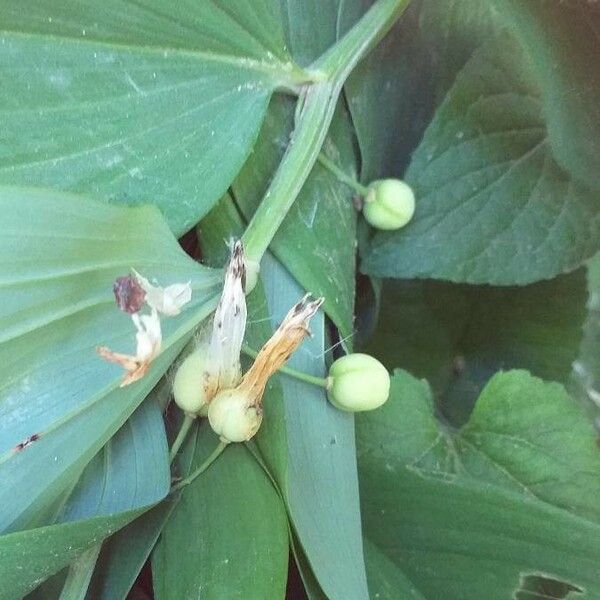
(188, 421)
(343, 56)
(203, 467)
(312, 379)
(347, 179)
(318, 102)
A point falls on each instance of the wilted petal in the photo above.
(229, 323)
(148, 336)
(149, 341)
(168, 301)
(281, 345)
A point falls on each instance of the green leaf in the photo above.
(129, 474)
(457, 336)
(385, 579)
(130, 471)
(59, 256)
(125, 553)
(138, 101)
(28, 557)
(227, 537)
(561, 40)
(313, 26)
(493, 206)
(513, 494)
(585, 381)
(316, 241)
(393, 93)
(79, 575)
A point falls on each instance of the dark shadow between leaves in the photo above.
(541, 586)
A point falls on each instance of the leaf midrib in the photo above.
(277, 71)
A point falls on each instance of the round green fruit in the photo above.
(189, 385)
(390, 204)
(358, 382)
(233, 417)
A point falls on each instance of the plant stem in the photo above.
(347, 179)
(203, 467)
(343, 56)
(318, 102)
(312, 379)
(188, 421)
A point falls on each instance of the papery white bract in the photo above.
(229, 323)
(148, 336)
(215, 364)
(168, 301)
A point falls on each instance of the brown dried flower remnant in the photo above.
(129, 294)
(282, 344)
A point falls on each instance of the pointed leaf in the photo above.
(493, 204)
(103, 93)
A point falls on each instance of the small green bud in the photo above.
(190, 383)
(390, 204)
(358, 382)
(233, 416)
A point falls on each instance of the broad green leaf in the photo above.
(493, 205)
(306, 443)
(457, 336)
(316, 241)
(476, 513)
(59, 256)
(227, 537)
(125, 553)
(28, 557)
(138, 102)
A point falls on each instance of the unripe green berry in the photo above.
(189, 385)
(358, 382)
(390, 204)
(233, 416)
